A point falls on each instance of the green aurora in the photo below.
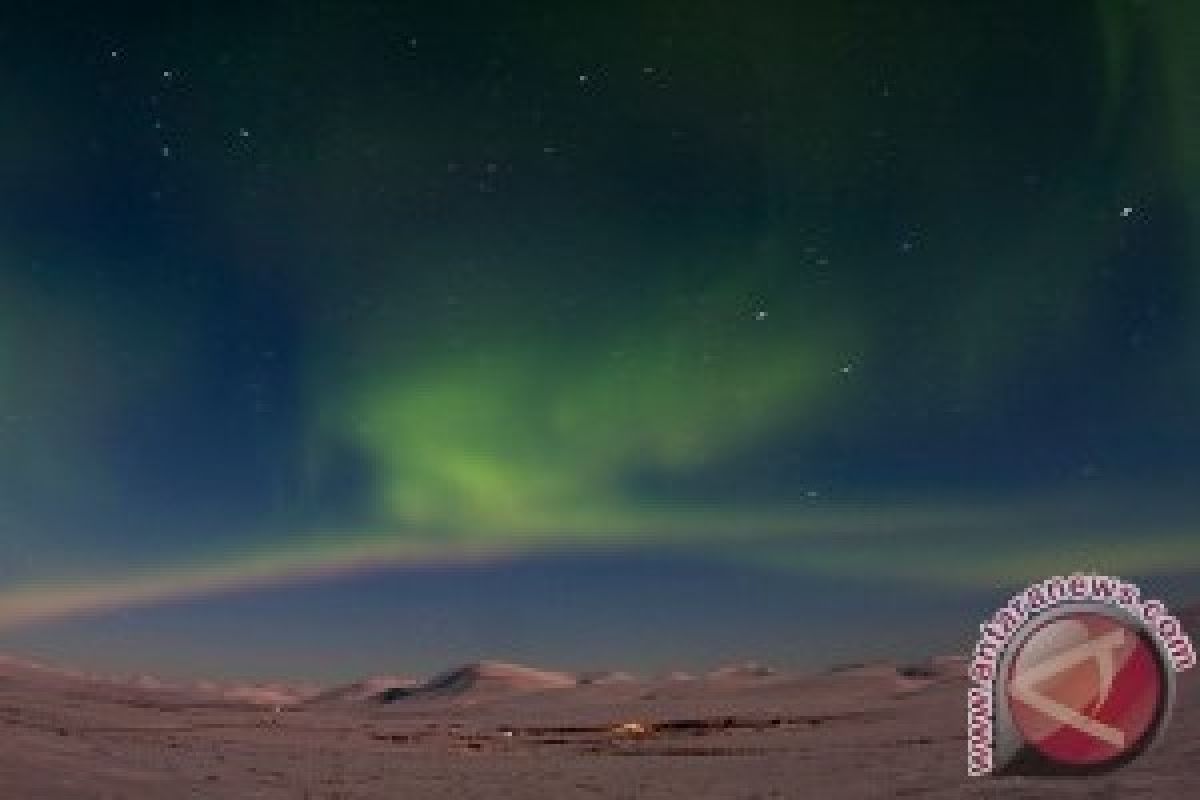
(577, 372)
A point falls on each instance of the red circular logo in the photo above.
(1086, 689)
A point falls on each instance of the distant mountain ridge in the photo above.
(486, 680)
(489, 678)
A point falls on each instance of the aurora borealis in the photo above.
(317, 297)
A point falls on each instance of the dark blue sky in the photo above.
(420, 308)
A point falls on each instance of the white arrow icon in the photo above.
(1101, 651)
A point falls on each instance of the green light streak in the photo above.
(539, 438)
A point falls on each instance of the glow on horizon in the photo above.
(45, 601)
(991, 544)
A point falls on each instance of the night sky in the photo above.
(348, 337)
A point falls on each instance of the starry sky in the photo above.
(367, 337)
